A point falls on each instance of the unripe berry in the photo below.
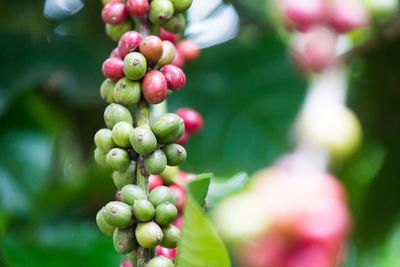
(181, 5)
(115, 113)
(171, 235)
(113, 68)
(121, 132)
(168, 36)
(143, 210)
(118, 214)
(168, 54)
(132, 258)
(189, 49)
(130, 193)
(165, 214)
(160, 11)
(135, 66)
(154, 87)
(192, 119)
(103, 139)
(166, 252)
(127, 92)
(176, 24)
(166, 125)
(148, 234)
(137, 8)
(155, 162)
(151, 48)
(179, 60)
(154, 181)
(107, 90)
(175, 77)
(104, 227)
(114, 12)
(348, 15)
(128, 43)
(160, 195)
(114, 32)
(176, 154)
(118, 159)
(124, 178)
(169, 174)
(100, 157)
(160, 261)
(154, 29)
(179, 196)
(183, 139)
(143, 140)
(124, 240)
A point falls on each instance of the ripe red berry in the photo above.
(175, 77)
(166, 252)
(114, 12)
(137, 8)
(129, 42)
(302, 14)
(189, 49)
(151, 47)
(113, 68)
(179, 60)
(117, 195)
(179, 196)
(154, 181)
(348, 15)
(183, 139)
(186, 177)
(178, 221)
(115, 53)
(168, 36)
(154, 87)
(125, 263)
(192, 119)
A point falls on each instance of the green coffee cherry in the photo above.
(155, 162)
(171, 235)
(103, 139)
(124, 240)
(181, 5)
(118, 159)
(115, 113)
(148, 234)
(121, 132)
(166, 124)
(104, 227)
(107, 90)
(176, 24)
(160, 11)
(118, 214)
(127, 92)
(168, 54)
(124, 178)
(100, 157)
(160, 261)
(143, 210)
(135, 66)
(132, 257)
(176, 154)
(114, 32)
(161, 194)
(173, 137)
(129, 193)
(169, 174)
(143, 140)
(165, 214)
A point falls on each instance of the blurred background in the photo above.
(243, 84)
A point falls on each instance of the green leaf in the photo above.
(200, 244)
(199, 187)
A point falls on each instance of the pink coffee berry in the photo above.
(129, 42)
(175, 77)
(179, 60)
(348, 15)
(113, 68)
(125, 263)
(114, 12)
(168, 36)
(183, 139)
(192, 119)
(166, 252)
(301, 14)
(137, 8)
(115, 53)
(154, 181)
(189, 49)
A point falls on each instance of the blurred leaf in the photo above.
(198, 187)
(200, 244)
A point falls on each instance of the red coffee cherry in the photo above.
(348, 15)
(113, 68)
(114, 12)
(179, 60)
(168, 36)
(179, 196)
(115, 53)
(137, 8)
(154, 181)
(154, 87)
(151, 47)
(188, 49)
(192, 119)
(178, 221)
(186, 177)
(129, 42)
(166, 252)
(183, 139)
(125, 263)
(175, 77)
(117, 195)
